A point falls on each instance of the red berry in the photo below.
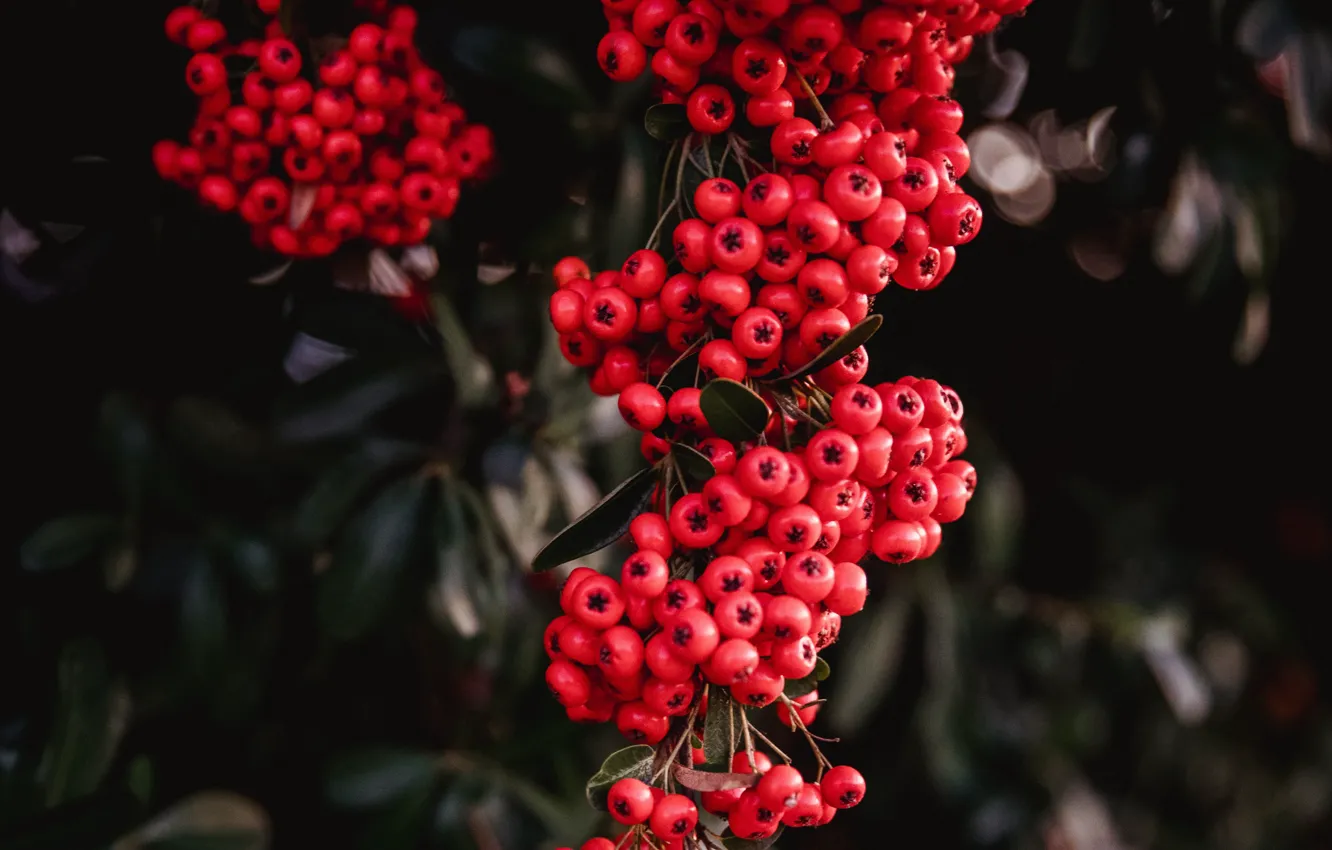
(843, 787)
(597, 602)
(853, 192)
(622, 56)
(792, 141)
(629, 801)
(204, 34)
(642, 406)
(674, 817)
(897, 541)
(710, 109)
(205, 73)
(279, 60)
(813, 226)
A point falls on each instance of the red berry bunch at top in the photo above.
(765, 55)
(362, 145)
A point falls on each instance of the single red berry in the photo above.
(629, 801)
(762, 687)
(898, 541)
(763, 472)
(792, 141)
(279, 60)
(204, 34)
(568, 683)
(205, 73)
(674, 817)
(620, 654)
(641, 725)
(178, 22)
(710, 109)
(622, 56)
(823, 284)
(843, 787)
(692, 524)
(853, 192)
(672, 699)
(769, 110)
(365, 43)
(642, 406)
(758, 66)
(598, 602)
(665, 664)
(717, 198)
(813, 225)
(807, 713)
(650, 531)
(839, 146)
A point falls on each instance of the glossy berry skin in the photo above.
(630, 801)
(642, 406)
(622, 56)
(710, 109)
(674, 817)
(843, 787)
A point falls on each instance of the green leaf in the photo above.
(631, 762)
(203, 615)
(693, 463)
(734, 843)
(723, 729)
(373, 778)
(369, 559)
(526, 65)
(667, 122)
(734, 412)
(707, 780)
(70, 540)
(874, 651)
(90, 717)
(799, 687)
(209, 820)
(346, 399)
(605, 523)
(128, 441)
(839, 348)
(325, 508)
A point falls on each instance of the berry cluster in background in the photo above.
(312, 151)
(778, 469)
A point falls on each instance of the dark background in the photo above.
(1131, 467)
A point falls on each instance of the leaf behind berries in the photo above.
(839, 348)
(693, 463)
(706, 780)
(666, 122)
(723, 730)
(601, 526)
(799, 687)
(630, 763)
(734, 412)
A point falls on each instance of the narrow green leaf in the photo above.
(693, 463)
(203, 615)
(635, 762)
(839, 348)
(602, 525)
(667, 122)
(325, 508)
(127, 438)
(734, 412)
(799, 687)
(528, 66)
(723, 730)
(373, 778)
(369, 559)
(69, 540)
(90, 717)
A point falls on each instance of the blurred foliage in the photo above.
(268, 581)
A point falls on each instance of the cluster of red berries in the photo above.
(366, 145)
(777, 52)
(781, 797)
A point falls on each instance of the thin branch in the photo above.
(765, 739)
(656, 231)
(826, 122)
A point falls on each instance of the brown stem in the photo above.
(667, 768)
(826, 123)
(656, 231)
(765, 739)
(794, 711)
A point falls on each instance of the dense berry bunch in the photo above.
(362, 144)
(717, 56)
